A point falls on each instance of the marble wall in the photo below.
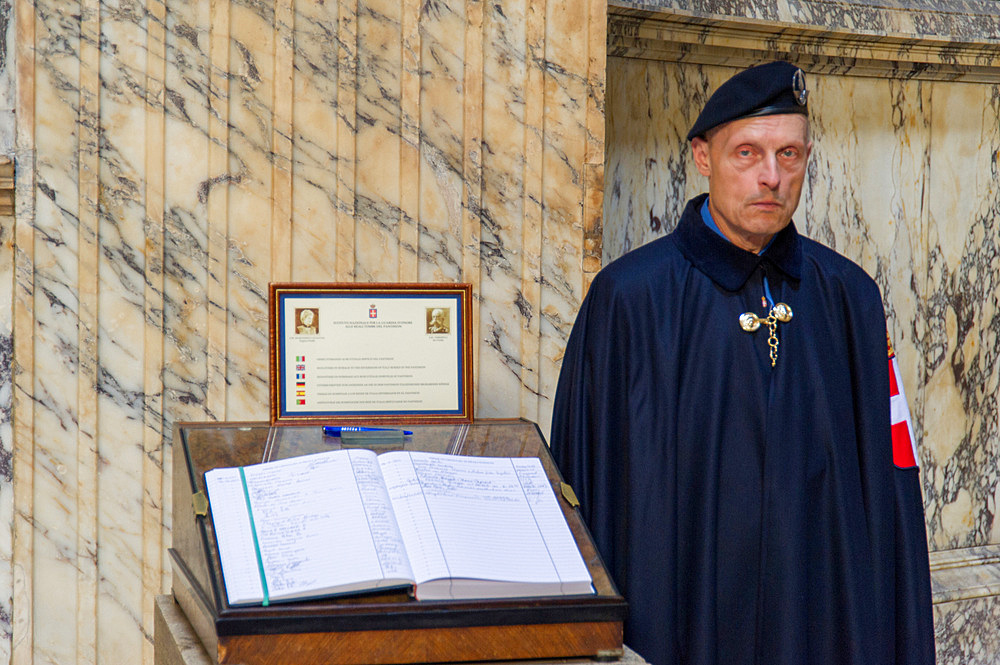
(176, 156)
(903, 180)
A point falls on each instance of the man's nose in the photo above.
(769, 175)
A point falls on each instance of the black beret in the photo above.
(770, 89)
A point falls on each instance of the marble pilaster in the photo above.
(7, 100)
(7, 67)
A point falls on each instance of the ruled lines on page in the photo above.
(476, 524)
(234, 536)
(324, 525)
(552, 524)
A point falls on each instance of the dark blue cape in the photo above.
(748, 514)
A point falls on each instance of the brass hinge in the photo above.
(200, 502)
(569, 495)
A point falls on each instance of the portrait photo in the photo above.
(438, 320)
(306, 321)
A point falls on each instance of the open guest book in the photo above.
(351, 520)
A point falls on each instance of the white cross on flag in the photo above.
(904, 447)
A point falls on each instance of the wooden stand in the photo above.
(175, 642)
(386, 628)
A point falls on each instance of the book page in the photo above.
(482, 518)
(413, 517)
(232, 533)
(544, 504)
(323, 525)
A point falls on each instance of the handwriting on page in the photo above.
(413, 518)
(316, 528)
(479, 514)
(381, 519)
(232, 533)
(558, 538)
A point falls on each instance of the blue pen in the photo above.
(336, 431)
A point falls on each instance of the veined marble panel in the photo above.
(960, 317)
(902, 180)
(178, 156)
(965, 631)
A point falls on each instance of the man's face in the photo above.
(755, 168)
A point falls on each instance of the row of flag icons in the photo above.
(300, 380)
(300, 367)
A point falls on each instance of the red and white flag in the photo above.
(904, 446)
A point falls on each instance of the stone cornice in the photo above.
(674, 35)
(966, 573)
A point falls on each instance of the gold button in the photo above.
(749, 321)
(782, 312)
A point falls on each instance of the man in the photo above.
(723, 414)
(438, 322)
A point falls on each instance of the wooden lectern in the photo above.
(382, 628)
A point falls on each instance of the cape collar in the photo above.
(726, 264)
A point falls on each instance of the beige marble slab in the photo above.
(965, 631)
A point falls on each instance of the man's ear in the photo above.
(699, 150)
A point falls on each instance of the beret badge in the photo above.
(799, 87)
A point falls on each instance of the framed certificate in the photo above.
(359, 354)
